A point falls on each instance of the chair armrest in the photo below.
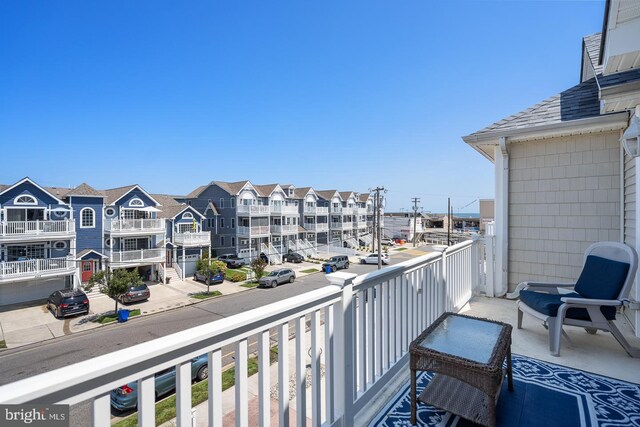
(591, 301)
(548, 285)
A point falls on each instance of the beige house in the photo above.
(563, 179)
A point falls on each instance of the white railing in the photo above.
(317, 227)
(360, 330)
(362, 211)
(256, 230)
(361, 224)
(134, 225)
(138, 255)
(202, 238)
(281, 229)
(336, 210)
(349, 210)
(274, 255)
(36, 267)
(342, 225)
(284, 209)
(178, 269)
(20, 229)
(322, 210)
(253, 209)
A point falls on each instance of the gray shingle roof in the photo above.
(326, 194)
(578, 102)
(301, 193)
(265, 190)
(618, 78)
(230, 187)
(195, 193)
(114, 194)
(592, 45)
(84, 189)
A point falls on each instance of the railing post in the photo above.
(443, 286)
(344, 351)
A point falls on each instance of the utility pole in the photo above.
(415, 201)
(373, 230)
(377, 227)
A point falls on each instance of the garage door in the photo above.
(19, 292)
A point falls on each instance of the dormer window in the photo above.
(187, 215)
(25, 199)
(136, 203)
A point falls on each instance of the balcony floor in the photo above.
(600, 354)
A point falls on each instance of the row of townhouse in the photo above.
(55, 238)
(274, 219)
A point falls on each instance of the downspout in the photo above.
(501, 284)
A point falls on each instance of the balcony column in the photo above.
(343, 352)
(501, 154)
(184, 262)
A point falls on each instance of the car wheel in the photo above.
(58, 313)
(274, 284)
(346, 265)
(291, 279)
(363, 261)
(203, 373)
(333, 268)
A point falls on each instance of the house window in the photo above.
(25, 199)
(187, 215)
(233, 241)
(87, 218)
(221, 222)
(130, 244)
(233, 223)
(136, 202)
(233, 202)
(59, 213)
(221, 203)
(221, 240)
(60, 245)
(107, 243)
(110, 211)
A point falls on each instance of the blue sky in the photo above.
(333, 94)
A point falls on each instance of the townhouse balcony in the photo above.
(202, 238)
(362, 211)
(284, 229)
(284, 210)
(257, 210)
(136, 257)
(132, 227)
(342, 225)
(254, 231)
(315, 210)
(20, 231)
(349, 211)
(361, 224)
(317, 227)
(351, 338)
(36, 268)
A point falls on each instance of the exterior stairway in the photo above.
(172, 274)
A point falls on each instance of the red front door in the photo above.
(87, 270)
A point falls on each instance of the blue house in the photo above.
(37, 242)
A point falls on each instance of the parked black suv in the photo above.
(68, 302)
(336, 263)
(232, 261)
(293, 257)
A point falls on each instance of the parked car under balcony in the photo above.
(136, 293)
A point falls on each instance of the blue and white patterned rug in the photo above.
(544, 394)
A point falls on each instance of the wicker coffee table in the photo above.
(467, 356)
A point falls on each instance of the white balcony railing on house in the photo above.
(342, 225)
(255, 230)
(360, 330)
(21, 230)
(136, 256)
(349, 210)
(202, 238)
(284, 229)
(361, 224)
(135, 226)
(315, 210)
(317, 227)
(361, 211)
(35, 268)
(260, 210)
(284, 210)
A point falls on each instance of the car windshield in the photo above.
(273, 273)
(138, 287)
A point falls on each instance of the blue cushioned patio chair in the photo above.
(605, 282)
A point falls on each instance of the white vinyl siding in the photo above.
(630, 201)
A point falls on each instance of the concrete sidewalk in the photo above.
(24, 325)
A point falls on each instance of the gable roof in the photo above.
(231, 187)
(268, 189)
(170, 207)
(211, 207)
(346, 194)
(84, 189)
(592, 46)
(327, 194)
(301, 193)
(112, 195)
(196, 193)
(86, 252)
(363, 197)
(49, 191)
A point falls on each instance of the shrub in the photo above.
(235, 276)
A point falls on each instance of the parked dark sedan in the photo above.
(136, 293)
(68, 302)
(232, 261)
(126, 397)
(294, 257)
(214, 278)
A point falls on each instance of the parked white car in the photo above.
(373, 259)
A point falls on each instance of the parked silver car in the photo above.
(276, 277)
